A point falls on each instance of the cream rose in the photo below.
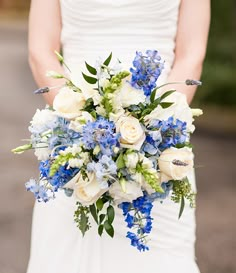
(132, 133)
(86, 191)
(129, 95)
(175, 163)
(132, 191)
(68, 104)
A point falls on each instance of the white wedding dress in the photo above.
(93, 28)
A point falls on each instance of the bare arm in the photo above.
(191, 42)
(44, 39)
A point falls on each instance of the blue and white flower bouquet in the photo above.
(116, 141)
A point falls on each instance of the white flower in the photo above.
(42, 152)
(146, 163)
(179, 110)
(79, 122)
(175, 163)
(68, 104)
(132, 133)
(131, 160)
(132, 191)
(43, 120)
(87, 191)
(128, 95)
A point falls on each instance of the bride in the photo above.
(86, 30)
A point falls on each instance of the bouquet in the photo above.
(114, 141)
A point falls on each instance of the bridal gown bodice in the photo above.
(92, 29)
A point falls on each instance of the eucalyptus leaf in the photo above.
(94, 212)
(99, 204)
(108, 60)
(83, 226)
(110, 214)
(89, 79)
(101, 218)
(109, 229)
(100, 230)
(91, 69)
(182, 204)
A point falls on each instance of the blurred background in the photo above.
(214, 141)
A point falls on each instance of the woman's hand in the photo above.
(44, 39)
(191, 43)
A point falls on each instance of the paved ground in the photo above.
(215, 158)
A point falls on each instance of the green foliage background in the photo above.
(219, 73)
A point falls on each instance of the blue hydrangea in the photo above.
(147, 69)
(172, 131)
(100, 133)
(104, 169)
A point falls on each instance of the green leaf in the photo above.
(120, 162)
(83, 222)
(165, 105)
(109, 229)
(91, 69)
(153, 95)
(99, 204)
(100, 230)
(89, 79)
(182, 204)
(107, 61)
(94, 212)
(110, 214)
(101, 218)
(166, 94)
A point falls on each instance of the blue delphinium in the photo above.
(152, 142)
(147, 69)
(62, 135)
(138, 215)
(172, 131)
(104, 169)
(41, 193)
(60, 178)
(100, 133)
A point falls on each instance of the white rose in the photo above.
(86, 191)
(131, 160)
(129, 95)
(68, 104)
(132, 191)
(78, 124)
(175, 163)
(132, 133)
(179, 110)
(42, 152)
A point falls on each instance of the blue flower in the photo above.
(152, 142)
(40, 191)
(136, 241)
(100, 133)
(104, 169)
(60, 178)
(146, 71)
(172, 132)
